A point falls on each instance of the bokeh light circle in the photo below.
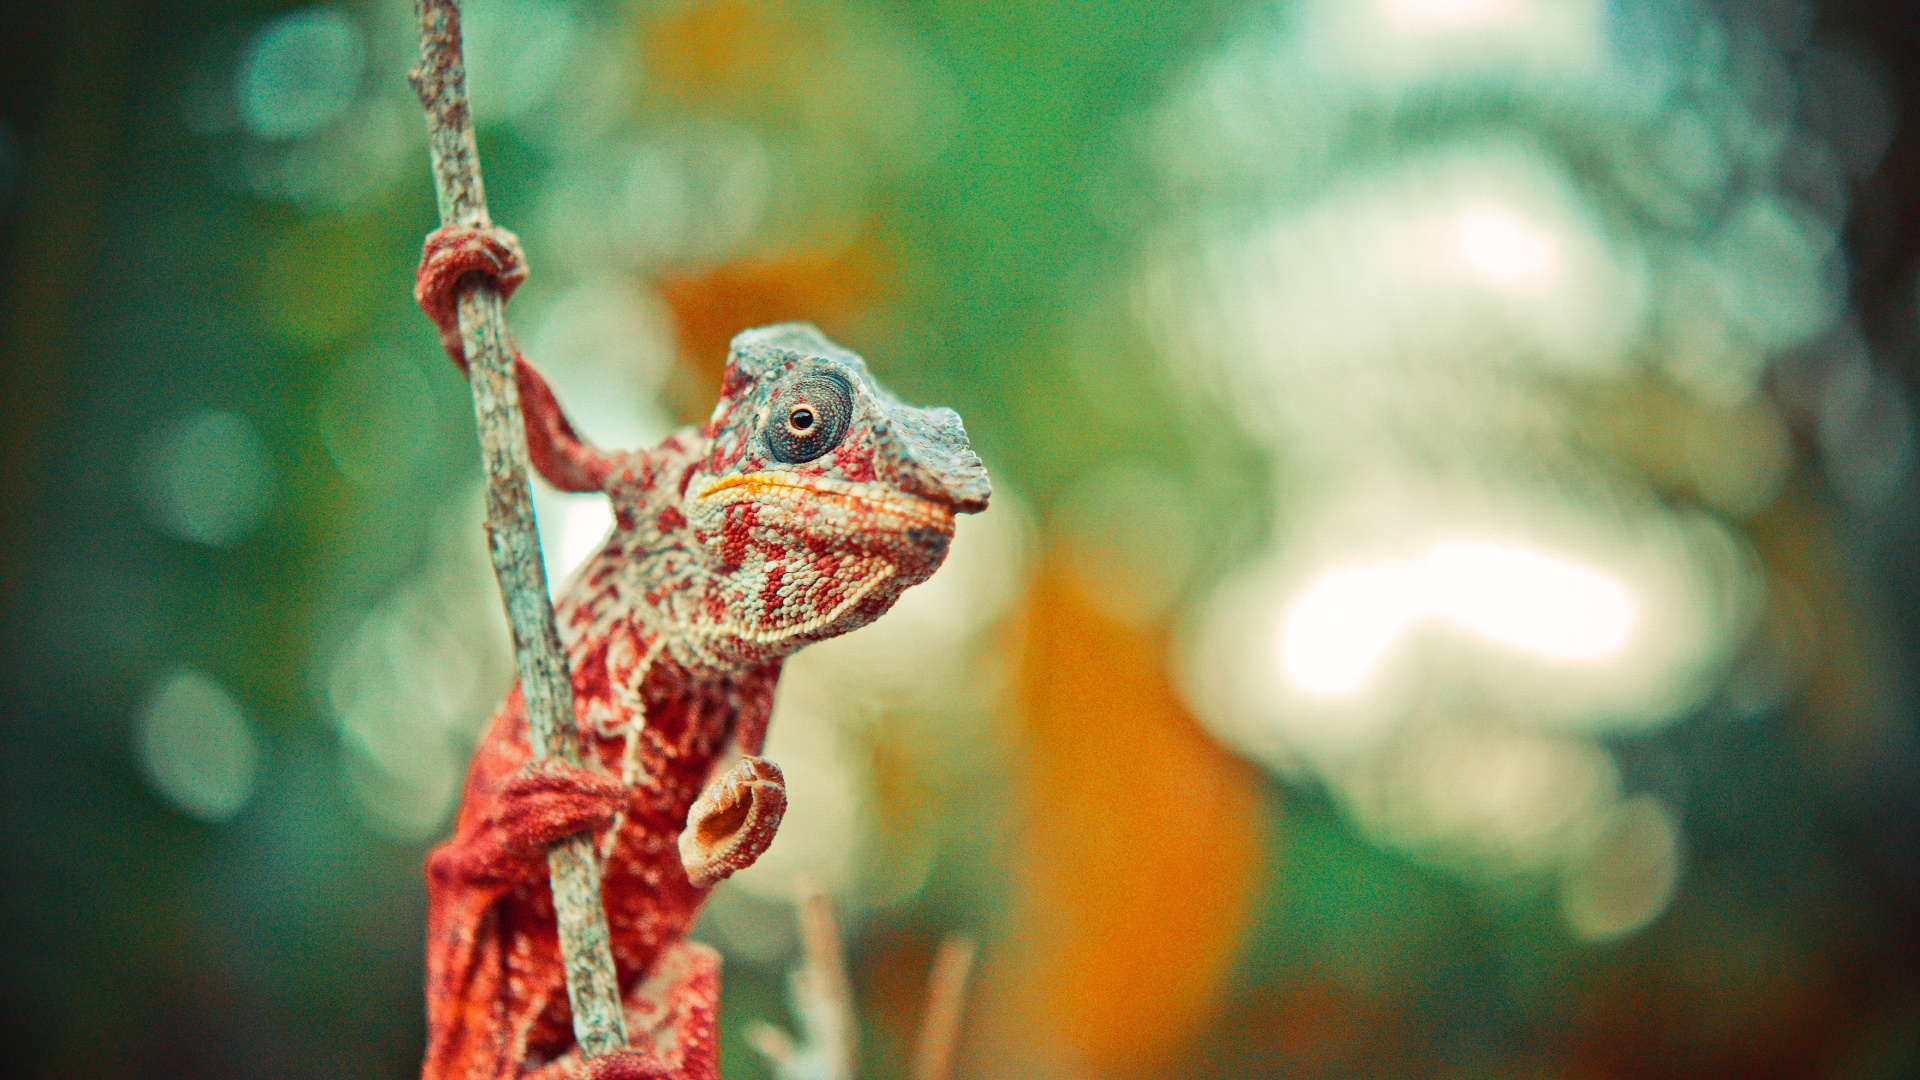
(209, 479)
(195, 745)
(299, 72)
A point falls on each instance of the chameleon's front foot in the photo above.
(451, 253)
(733, 821)
(542, 803)
(454, 253)
(547, 801)
(623, 1065)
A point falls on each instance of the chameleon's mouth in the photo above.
(859, 539)
(868, 507)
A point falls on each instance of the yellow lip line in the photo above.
(751, 480)
(899, 503)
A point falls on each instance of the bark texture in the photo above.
(440, 80)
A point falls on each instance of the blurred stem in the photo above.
(831, 988)
(946, 994)
(822, 1001)
(599, 1023)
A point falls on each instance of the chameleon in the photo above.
(802, 508)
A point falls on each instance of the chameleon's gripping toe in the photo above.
(454, 253)
(539, 804)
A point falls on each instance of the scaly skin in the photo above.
(734, 544)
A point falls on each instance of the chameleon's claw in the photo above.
(733, 821)
(451, 253)
(547, 801)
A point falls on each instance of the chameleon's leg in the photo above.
(733, 820)
(672, 1025)
(542, 803)
(452, 254)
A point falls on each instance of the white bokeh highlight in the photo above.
(196, 746)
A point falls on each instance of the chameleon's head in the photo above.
(823, 497)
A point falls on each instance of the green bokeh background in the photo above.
(143, 282)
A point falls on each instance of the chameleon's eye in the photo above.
(809, 417)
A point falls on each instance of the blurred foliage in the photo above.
(1176, 266)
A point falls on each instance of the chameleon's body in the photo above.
(800, 511)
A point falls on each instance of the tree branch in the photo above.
(599, 1023)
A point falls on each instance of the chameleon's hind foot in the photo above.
(676, 1011)
(625, 1065)
(672, 1025)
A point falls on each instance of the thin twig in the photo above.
(599, 1023)
(831, 988)
(822, 1001)
(946, 995)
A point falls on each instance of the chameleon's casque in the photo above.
(800, 511)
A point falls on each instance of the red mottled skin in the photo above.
(730, 550)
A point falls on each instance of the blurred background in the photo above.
(1448, 606)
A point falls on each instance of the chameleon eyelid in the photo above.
(827, 397)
